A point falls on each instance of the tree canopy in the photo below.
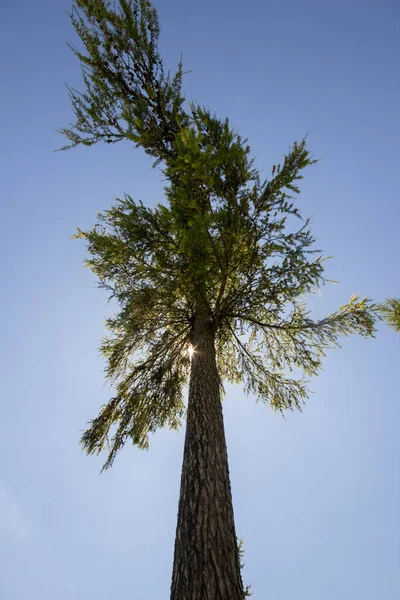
(224, 233)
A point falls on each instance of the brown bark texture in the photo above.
(206, 557)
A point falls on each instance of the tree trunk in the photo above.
(206, 558)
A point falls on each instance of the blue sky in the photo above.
(316, 496)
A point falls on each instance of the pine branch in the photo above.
(127, 95)
(390, 312)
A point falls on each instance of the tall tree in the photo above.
(210, 284)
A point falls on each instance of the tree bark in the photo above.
(206, 557)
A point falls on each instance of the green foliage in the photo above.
(390, 312)
(247, 592)
(224, 234)
(127, 93)
(132, 253)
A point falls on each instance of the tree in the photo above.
(211, 284)
(389, 311)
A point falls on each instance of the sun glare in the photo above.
(190, 351)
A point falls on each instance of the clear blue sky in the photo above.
(316, 497)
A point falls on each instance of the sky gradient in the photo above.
(317, 496)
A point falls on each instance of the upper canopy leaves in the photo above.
(127, 95)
